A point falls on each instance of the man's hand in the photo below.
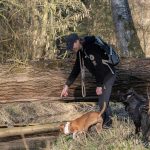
(64, 91)
(99, 90)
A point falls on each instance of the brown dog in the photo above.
(83, 123)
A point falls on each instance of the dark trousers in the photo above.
(107, 88)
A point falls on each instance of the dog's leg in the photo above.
(99, 127)
(137, 124)
(145, 132)
(137, 130)
(74, 135)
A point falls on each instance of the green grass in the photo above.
(120, 137)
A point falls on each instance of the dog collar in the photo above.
(66, 128)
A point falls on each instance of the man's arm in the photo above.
(75, 71)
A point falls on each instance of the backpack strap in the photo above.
(105, 62)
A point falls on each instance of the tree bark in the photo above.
(126, 34)
(17, 131)
(44, 83)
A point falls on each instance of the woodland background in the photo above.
(34, 65)
(31, 30)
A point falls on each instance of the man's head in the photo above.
(73, 42)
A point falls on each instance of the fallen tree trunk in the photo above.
(18, 131)
(35, 128)
(54, 99)
(44, 81)
(55, 119)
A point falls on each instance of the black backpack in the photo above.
(112, 56)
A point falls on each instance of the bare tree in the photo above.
(126, 34)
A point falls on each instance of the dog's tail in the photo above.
(103, 109)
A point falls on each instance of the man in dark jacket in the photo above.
(104, 73)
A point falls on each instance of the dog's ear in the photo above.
(61, 128)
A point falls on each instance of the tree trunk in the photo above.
(44, 83)
(17, 131)
(126, 34)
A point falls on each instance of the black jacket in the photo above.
(92, 55)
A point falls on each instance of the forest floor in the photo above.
(120, 137)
